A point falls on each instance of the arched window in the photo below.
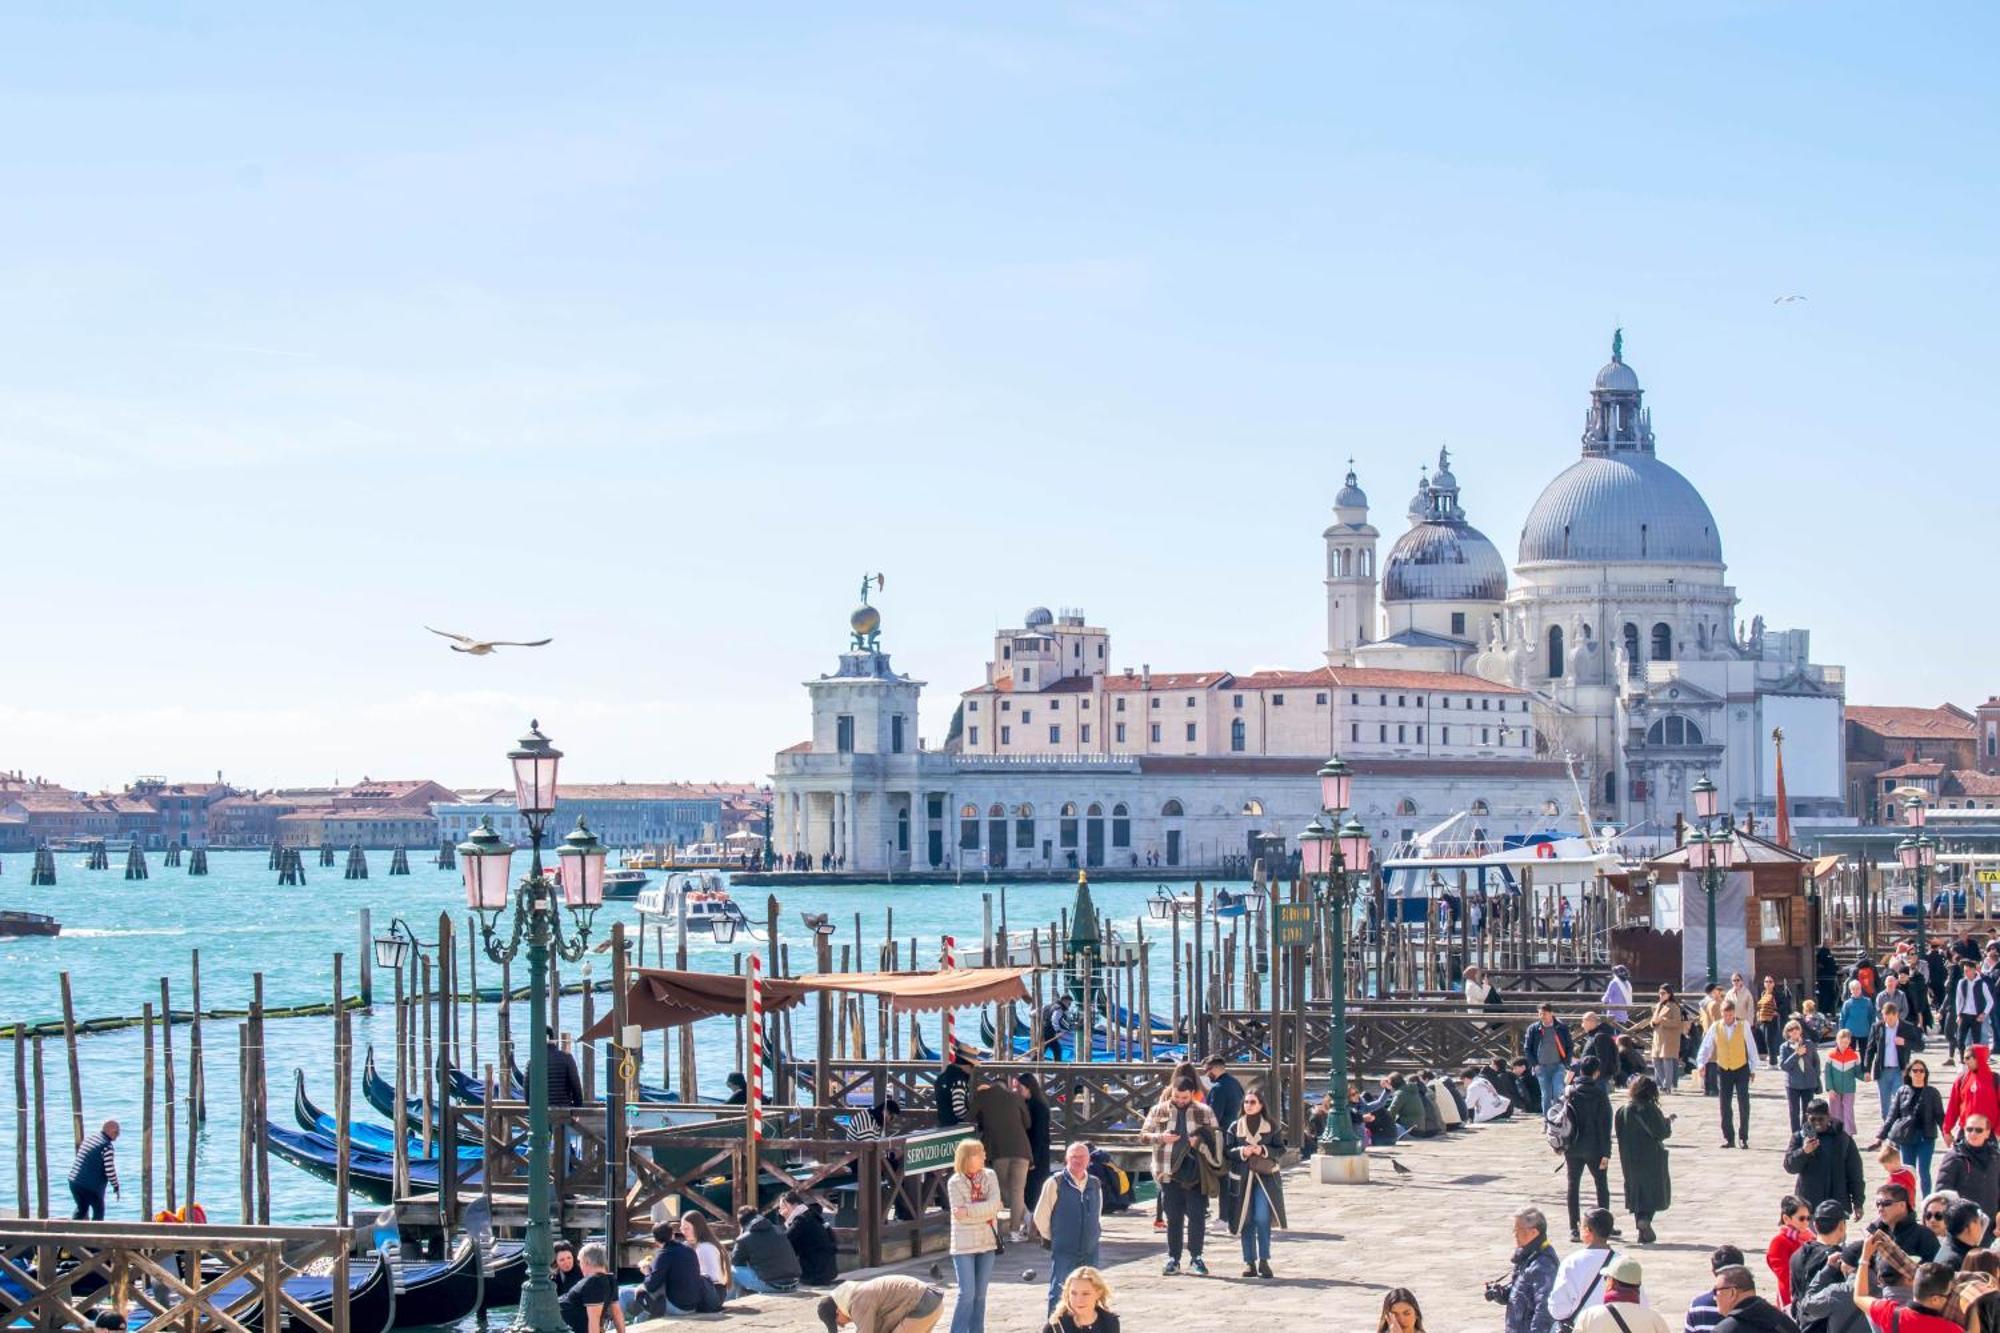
(1253, 806)
(1632, 650)
(1555, 652)
(1551, 808)
(1069, 810)
(1480, 808)
(1171, 810)
(1673, 730)
(1663, 642)
(1238, 734)
(1119, 811)
(1024, 811)
(996, 812)
(968, 811)
(1096, 811)
(1406, 806)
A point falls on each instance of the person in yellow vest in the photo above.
(1726, 1046)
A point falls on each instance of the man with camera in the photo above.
(1826, 1161)
(1525, 1288)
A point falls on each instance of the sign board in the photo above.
(1987, 876)
(934, 1150)
(1295, 924)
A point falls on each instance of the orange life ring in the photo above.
(1545, 851)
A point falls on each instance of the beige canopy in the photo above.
(663, 998)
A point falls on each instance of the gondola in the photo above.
(362, 1135)
(371, 1299)
(371, 1175)
(382, 1096)
(506, 1270)
(647, 1092)
(438, 1294)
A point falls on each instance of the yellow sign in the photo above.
(1295, 924)
(1987, 876)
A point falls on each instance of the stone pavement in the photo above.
(1442, 1231)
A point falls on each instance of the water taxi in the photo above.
(701, 899)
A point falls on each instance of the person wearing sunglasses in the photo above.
(1894, 1217)
(1964, 1226)
(1971, 1169)
(1254, 1145)
(1795, 1232)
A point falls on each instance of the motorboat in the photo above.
(625, 882)
(701, 899)
(14, 924)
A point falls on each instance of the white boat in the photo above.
(625, 882)
(701, 899)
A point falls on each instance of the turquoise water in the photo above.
(119, 938)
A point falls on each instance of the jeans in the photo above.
(1257, 1225)
(1964, 1032)
(1917, 1156)
(1577, 1166)
(1886, 1084)
(1733, 1090)
(1551, 1079)
(1768, 1036)
(1064, 1262)
(1187, 1218)
(89, 1204)
(1666, 1073)
(1795, 1103)
(747, 1280)
(973, 1271)
(1013, 1176)
(629, 1302)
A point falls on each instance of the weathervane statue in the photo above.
(866, 622)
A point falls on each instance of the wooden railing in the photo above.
(58, 1274)
(1385, 1038)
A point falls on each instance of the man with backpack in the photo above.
(1580, 1127)
(1580, 1277)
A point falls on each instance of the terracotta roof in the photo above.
(1965, 782)
(803, 747)
(1922, 768)
(370, 812)
(1945, 722)
(1168, 680)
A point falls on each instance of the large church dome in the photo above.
(1442, 558)
(1619, 502)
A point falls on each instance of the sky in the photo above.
(652, 328)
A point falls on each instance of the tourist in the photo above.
(1702, 1312)
(762, 1260)
(1530, 1086)
(1726, 1047)
(1547, 1050)
(891, 1303)
(1029, 1088)
(1001, 1119)
(1841, 1068)
(1800, 1062)
(1531, 1276)
(1739, 994)
(1710, 1016)
(1769, 1017)
(1225, 1098)
(1972, 1168)
(675, 1282)
(564, 1271)
(1617, 997)
(1400, 1312)
(1621, 1311)
(94, 1171)
(1827, 1303)
(1972, 1002)
(1058, 1022)
(1254, 1145)
(1829, 1222)
(592, 1305)
(1913, 1120)
(1936, 1204)
(1824, 1158)
(1890, 1045)
(1973, 1092)
(1085, 1304)
(739, 1092)
(1894, 1171)
(973, 1192)
(1597, 1039)
(1477, 988)
(1483, 1100)
(1925, 1311)
(1187, 1155)
(1892, 1210)
(1814, 1022)
(1579, 1282)
(1742, 1309)
(565, 1081)
(1407, 1109)
(1589, 1145)
(811, 1238)
(1642, 1130)
(1669, 1029)
(1795, 1232)
(1892, 993)
(1964, 1232)
(700, 1237)
(1069, 1215)
(953, 1089)
(1857, 1014)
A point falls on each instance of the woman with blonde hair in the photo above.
(974, 1194)
(1085, 1306)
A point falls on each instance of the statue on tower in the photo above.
(1618, 344)
(866, 622)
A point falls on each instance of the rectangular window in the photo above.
(1458, 623)
(1277, 701)
(1006, 735)
(1085, 734)
(1236, 701)
(1155, 702)
(1118, 707)
(1382, 733)
(1118, 732)
(1402, 701)
(1027, 716)
(1024, 835)
(1444, 703)
(972, 706)
(896, 734)
(1100, 652)
(1382, 701)
(972, 735)
(1006, 652)
(1084, 702)
(1190, 731)
(1420, 735)
(1485, 705)
(1055, 703)
(968, 836)
(1468, 705)
(1400, 736)
(1525, 733)
(1353, 698)
(1006, 705)
(1320, 698)
(843, 734)
(1354, 732)
(1420, 701)
(1444, 735)
(1027, 674)
(1055, 735)
(1156, 733)
(1190, 701)
(1485, 735)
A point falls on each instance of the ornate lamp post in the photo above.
(1325, 856)
(486, 859)
(1710, 851)
(1918, 854)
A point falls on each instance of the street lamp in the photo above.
(1710, 851)
(1918, 854)
(1327, 848)
(392, 950)
(486, 859)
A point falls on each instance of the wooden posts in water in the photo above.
(276, 861)
(100, 856)
(41, 1136)
(173, 856)
(367, 962)
(167, 1089)
(135, 863)
(617, 1088)
(44, 871)
(447, 857)
(291, 867)
(343, 1094)
(20, 1121)
(69, 1050)
(399, 864)
(198, 861)
(326, 856)
(357, 862)
(402, 1120)
(146, 1123)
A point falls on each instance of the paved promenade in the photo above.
(1441, 1231)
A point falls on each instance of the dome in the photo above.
(1444, 562)
(1617, 377)
(1621, 506)
(1351, 495)
(1039, 617)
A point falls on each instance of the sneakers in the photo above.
(1197, 1267)
(1173, 1267)
(1264, 1268)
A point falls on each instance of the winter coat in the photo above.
(812, 1240)
(1830, 1171)
(1260, 1173)
(1843, 1070)
(954, 1095)
(1670, 1025)
(1531, 1045)
(1642, 1130)
(764, 1250)
(1406, 1107)
(1857, 1015)
(1913, 1044)
(978, 1231)
(1205, 1134)
(1602, 1043)
(1915, 1115)
(1973, 1092)
(1778, 1258)
(1433, 1118)
(1225, 1098)
(1754, 1314)
(1973, 1173)
(1528, 1296)
(1590, 1114)
(1001, 1116)
(1801, 1067)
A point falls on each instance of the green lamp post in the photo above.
(1918, 854)
(1711, 851)
(1326, 859)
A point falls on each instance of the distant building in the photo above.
(181, 808)
(246, 820)
(622, 814)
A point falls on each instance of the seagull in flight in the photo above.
(1785, 300)
(463, 643)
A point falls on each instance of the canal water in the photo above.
(121, 937)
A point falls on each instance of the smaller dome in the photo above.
(1617, 377)
(1420, 503)
(1039, 617)
(865, 620)
(1351, 495)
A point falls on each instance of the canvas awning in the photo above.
(664, 998)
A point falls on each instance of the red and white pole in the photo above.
(756, 1071)
(950, 1018)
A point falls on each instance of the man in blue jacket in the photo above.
(1069, 1215)
(1548, 1050)
(1858, 1014)
(1526, 1289)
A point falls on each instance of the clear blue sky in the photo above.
(307, 317)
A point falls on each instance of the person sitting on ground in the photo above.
(811, 1238)
(891, 1303)
(1406, 1108)
(762, 1260)
(1485, 1101)
(565, 1273)
(1925, 1311)
(1702, 1312)
(1450, 1102)
(1530, 1100)
(593, 1304)
(1621, 1311)
(674, 1283)
(1742, 1309)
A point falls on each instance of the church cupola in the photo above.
(1350, 573)
(1616, 421)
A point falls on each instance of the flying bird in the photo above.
(1785, 300)
(481, 647)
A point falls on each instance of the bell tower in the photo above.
(1350, 574)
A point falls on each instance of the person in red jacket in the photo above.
(1794, 1230)
(1973, 1092)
